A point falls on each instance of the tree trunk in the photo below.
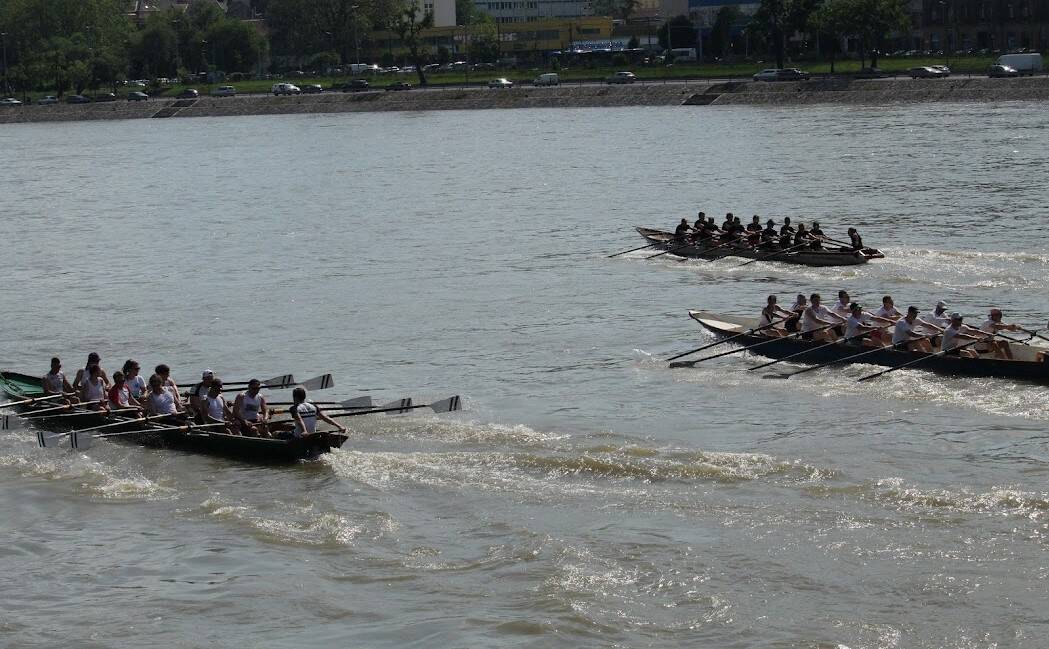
(777, 34)
(418, 61)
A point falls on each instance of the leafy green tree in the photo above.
(678, 32)
(234, 46)
(407, 24)
(154, 49)
(834, 19)
(725, 20)
(874, 19)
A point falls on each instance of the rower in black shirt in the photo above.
(682, 229)
(754, 231)
(736, 230)
(701, 219)
(727, 225)
(857, 241)
(817, 236)
(802, 236)
(754, 225)
(786, 229)
(768, 235)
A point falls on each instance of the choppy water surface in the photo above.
(588, 495)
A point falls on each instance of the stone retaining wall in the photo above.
(693, 93)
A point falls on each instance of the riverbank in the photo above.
(819, 91)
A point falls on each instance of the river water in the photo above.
(587, 496)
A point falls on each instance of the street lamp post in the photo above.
(3, 38)
(356, 43)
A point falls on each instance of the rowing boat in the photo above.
(828, 257)
(1023, 367)
(255, 449)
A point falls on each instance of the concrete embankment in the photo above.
(693, 93)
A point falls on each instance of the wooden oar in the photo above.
(812, 349)
(657, 243)
(729, 339)
(10, 404)
(917, 360)
(356, 402)
(1034, 334)
(277, 382)
(68, 406)
(444, 405)
(840, 360)
(742, 349)
(87, 412)
(769, 256)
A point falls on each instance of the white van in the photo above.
(683, 54)
(1022, 63)
(548, 79)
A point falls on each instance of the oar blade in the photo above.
(398, 407)
(319, 382)
(357, 402)
(450, 404)
(677, 364)
(280, 382)
(5, 423)
(50, 440)
(776, 376)
(81, 441)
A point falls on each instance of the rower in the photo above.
(120, 394)
(816, 233)
(843, 307)
(54, 382)
(737, 230)
(888, 310)
(164, 372)
(133, 377)
(81, 375)
(682, 229)
(250, 412)
(858, 328)
(939, 317)
(729, 220)
(768, 235)
(200, 390)
(214, 409)
(952, 337)
(711, 228)
(904, 338)
(701, 221)
(771, 313)
(754, 230)
(305, 415)
(161, 401)
(992, 325)
(817, 316)
(856, 239)
(796, 309)
(93, 388)
(786, 229)
(802, 237)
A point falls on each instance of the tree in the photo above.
(874, 19)
(725, 20)
(407, 24)
(776, 19)
(678, 32)
(833, 18)
(154, 49)
(234, 46)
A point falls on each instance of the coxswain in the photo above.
(992, 325)
(858, 328)
(888, 310)
(773, 313)
(816, 234)
(682, 230)
(200, 390)
(250, 411)
(54, 382)
(304, 415)
(120, 396)
(769, 235)
(856, 240)
(164, 372)
(160, 401)
(953, 337)
(816, 316)
(214, 409)
(93, 388)
(81, 375)
(133, 377)
(904, 338)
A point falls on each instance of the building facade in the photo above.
(524, 11)
(961, 25)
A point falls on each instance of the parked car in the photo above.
(548, 79)
(399, 85)
(484, 66)
(77, 99)
(224, 91)
(312, 89)
(49, 100)
(500, 83)
(926, 72)
(942, 68)
(998, 71)
(106, 96)
(10, 101)
(781, 74)
(137, 96)
(285, 89)
(188, 93)
(621, 77)
(870, 73)
(354, 85)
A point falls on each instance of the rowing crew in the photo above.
(248, 414)
(847, 322)
(755, 236)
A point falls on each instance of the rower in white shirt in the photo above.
(954, 337)
(843, 307)
(904, 338)
(215, 409)
(816, 317)
(858, 328)
(992, 325)
(888, 310)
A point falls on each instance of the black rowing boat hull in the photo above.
(1024, 368)
(800, 258)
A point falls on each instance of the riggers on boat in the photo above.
(254, 449)
(1023, 367)
(827, 257)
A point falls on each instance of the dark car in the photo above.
(137, 96)
(870, 73)
(997, 71)
(354, 85)
(106, 96)
(399, 85)
(188, 93)
(77, 99)
(311, 89)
